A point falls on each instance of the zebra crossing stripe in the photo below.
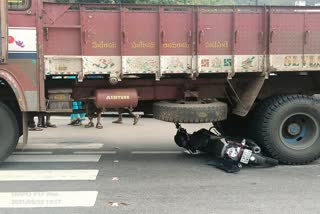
(32, 153)
(96, 152)
(54, 158)
(48, 199)
(48, 175)
(36, 146)
(155, 152)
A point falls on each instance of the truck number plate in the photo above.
(246, 156)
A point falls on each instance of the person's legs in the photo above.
(32, 124)
(119, 120)
(90, 124)
(41, 121)
(99, 125)
(91, 109)
(48, 122)
(82, 116)
(77, 121)
(136, 117)
(73, 119)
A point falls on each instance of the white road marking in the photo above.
(48, 175)
(32, 153)
(48, 199)
(117, 204)
(54, 158)
(97, 152)
(155, 152)
(114, 204)
(299, 166)
(61, 146)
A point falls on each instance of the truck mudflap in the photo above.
(229, 154)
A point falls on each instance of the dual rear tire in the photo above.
(286, 127)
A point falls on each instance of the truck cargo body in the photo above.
(154, 42)
(160, 40)
(241, 56)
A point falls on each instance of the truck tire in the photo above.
(9, 132)
(190, 112)
(288, 128)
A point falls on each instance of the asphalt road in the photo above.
(139, 169)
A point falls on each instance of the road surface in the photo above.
(139, 169)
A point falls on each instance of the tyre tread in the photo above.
(12, 146)
(188, 113)
(263, 115)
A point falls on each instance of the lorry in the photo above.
(250, 70)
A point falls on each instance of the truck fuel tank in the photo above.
(116, 98)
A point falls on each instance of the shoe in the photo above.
(35, 129)
(72, 123)
(50, 125)
(32, 125)
(136, 120)
(42, 126)
(99, 126)
(77, 123)
(117, 121)
(89, 125)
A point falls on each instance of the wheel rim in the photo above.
(299, 131)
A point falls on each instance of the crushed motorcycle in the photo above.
(228, 153)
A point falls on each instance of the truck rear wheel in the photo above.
(190, 112)
(288, 128)
(9, 132)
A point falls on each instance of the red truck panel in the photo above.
(294, 44)
(140, 33)
(250, 33)
(176, 42)
(215, 35)
(287, 32)
(101, 33)
(312, 28)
